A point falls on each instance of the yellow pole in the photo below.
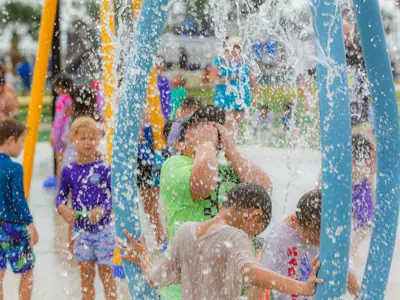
(156, 116)
(38, 86)
(136, 6)
(109, 76)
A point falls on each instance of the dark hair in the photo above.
(11, 127)
(167, 129)
(208, 113)
(64, 81)
(288, 106)
(361, 148)
(84, 101)
(191, 102)
(308, 211)
(247, 195)
(264, 107)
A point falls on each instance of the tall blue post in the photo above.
(335, 147)
(387, 139)
(149, 29)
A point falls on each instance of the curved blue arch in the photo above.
(387, 139)
(336, 149)
(150, 27)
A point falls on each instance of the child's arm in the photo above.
(98, 212)
(18, 195)
(137, 253)
(61, 201)
(266, 279)
(204, 176)
(246, 170)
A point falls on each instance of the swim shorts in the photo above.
(96, 247)
(15, 248)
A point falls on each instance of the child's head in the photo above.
(189, 106)
(12, 137)
(85, 102)
(362, 150)
(85, 135)
(288, 107)
(63, 84)
(178, 81)
(308, 215)
(250, 208)
(264, 109)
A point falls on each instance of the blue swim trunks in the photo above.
(96, 247)
(15, 248)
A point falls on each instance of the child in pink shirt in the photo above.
(63, 85)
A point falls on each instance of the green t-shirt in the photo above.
(178, 95)
(179, 205)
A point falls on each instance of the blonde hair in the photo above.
(82, 122)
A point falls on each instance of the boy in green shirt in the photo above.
(194, 184)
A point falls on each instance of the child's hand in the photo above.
(67, 213)
(33, 234)
(134, 252)
(227, 141)
(313, 280)
(96, 214)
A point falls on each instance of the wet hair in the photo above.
(361, 148)
(167, 129)
(247, 195)
(84, 101)
(64, 81)
(11, 127)
(191, 102)
(308, 211)
(208, 113)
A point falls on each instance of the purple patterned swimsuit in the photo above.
(362, 204)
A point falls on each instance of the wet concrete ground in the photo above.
(293, 172)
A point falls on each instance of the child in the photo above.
(214, 259)
(289, 122)
(17, 230)
(63, 86)
(291, 245)
(89, 181)
(178, 94)
(188, 107)
(263, 120)
(84, 104)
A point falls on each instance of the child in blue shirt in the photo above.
(17, 230)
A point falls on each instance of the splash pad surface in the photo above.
(293, 172)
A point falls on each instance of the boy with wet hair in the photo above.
(17, 230)
(214, 259)
(291, 245)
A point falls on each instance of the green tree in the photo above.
(21, 19)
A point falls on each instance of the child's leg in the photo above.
(2, 273)
(87, 279)
(150, 205)
(70, 247)
(59, 159)
(26, 285)
(107, 277)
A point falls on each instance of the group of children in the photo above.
(214, 259)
